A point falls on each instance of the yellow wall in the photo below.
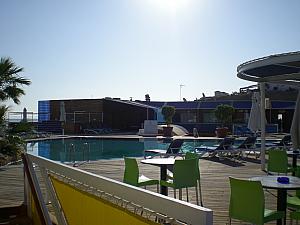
(81, 208)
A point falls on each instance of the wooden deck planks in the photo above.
(214, 182)
(11, 186)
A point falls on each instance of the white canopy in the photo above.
(281, 68)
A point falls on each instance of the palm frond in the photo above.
(10, 80)
(14, 93)
(21, 80)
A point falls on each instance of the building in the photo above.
(200, 114)
(123, 115)
(78, 115)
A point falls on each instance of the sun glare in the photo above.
(172, 6)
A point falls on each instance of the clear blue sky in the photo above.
(129, 48)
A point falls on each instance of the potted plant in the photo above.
(168, 113)
(223, 114)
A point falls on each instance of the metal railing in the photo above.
(19, 116)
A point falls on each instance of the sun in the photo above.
(170, 5)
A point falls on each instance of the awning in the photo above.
(283, 68)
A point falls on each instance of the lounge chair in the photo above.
(97, 131)
(173, 149)
(224, 148)
(286, 141)
(248, 146)
(242, 130)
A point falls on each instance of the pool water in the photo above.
(83, 149)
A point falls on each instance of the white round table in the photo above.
(271, 182)
(163, 163)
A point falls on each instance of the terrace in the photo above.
(214, 172)
(214, 181)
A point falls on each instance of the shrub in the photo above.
(168, 113)
(224, 114)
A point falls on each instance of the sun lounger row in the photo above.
(226, 147)
(173, 149)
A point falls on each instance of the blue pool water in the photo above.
(82, 149)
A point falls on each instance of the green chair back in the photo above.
(278, 161)
(247, 201)
(184, 173)
(295, 216)
(191, 155)
(131, 173)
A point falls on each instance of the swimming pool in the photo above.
(83, 149)
(91, 149)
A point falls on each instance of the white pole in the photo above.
(181, 85)
(263, 125)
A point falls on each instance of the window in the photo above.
(44, 111)
(209, 117)
(188, 117)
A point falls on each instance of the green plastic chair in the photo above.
(184, 176)
(295, 216)
(131, 175)
(191, 155)
(294, 201)
(278, 162)
(247, 203)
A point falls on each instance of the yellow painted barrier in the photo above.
(34, 214)
(82, 208)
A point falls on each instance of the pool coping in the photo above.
(122, 136)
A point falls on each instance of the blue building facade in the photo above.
(200, 114)
(129, 115)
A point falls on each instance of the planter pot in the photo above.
(167, 131)
(221, 132)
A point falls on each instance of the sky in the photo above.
(75, 49)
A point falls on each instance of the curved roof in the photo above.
(274, 68)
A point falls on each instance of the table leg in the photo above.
(295, 156)
(163, 176)
(281, 203)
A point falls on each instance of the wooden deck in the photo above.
(214, 181)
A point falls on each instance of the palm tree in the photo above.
(3, 112)
(10, 81)
(10, 88)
